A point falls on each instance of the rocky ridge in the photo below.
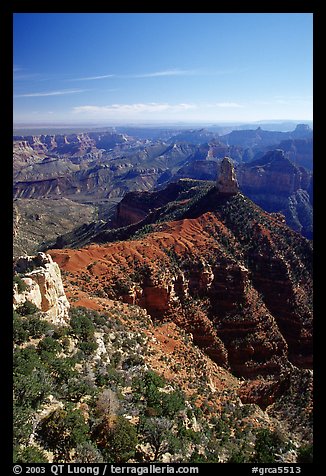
(273, 182)
(252, 272)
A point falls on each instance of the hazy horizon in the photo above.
(162, 68)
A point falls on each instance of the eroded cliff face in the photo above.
(273, 173)
(236, 278)
(278, 185)
(43, 287)
(75, 144)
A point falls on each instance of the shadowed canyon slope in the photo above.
(278, 185)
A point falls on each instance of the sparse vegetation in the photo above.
(21, 285)
(94, 382)
(27, 308)
(305, 454)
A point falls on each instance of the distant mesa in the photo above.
(227, 183)
(303, 128)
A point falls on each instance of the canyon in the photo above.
(91, 173)
(194, 282)
(259, 269)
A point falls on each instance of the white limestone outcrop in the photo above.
(44, 286)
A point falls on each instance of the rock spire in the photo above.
(226, 181)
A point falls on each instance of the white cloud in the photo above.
(155, 74)
(50, 93)
(228, 104)
(90, 78)
(132, 109)
(169, 72)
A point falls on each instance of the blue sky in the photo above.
(140, 68)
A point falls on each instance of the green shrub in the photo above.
(31, 390)
(111, 378)
(197, 458)
(63, 369)
(267, 444)
(171, 403)
(31, 379)
(49, 345)
(61, 431)
(100, 320)
(35, 326)
(88, 347)
(117, 438)
(132, 360)
(82, 327)
(30, 454)
(25, 361)
(152, 378)
(189, 434)
(76, 388)
(221, 429)
(22, 423)
(20, 333)
(121, 287)
(238, 456)
(21, 285)
(60, 332)
(26, 328)
(27, 308)
(305, 454)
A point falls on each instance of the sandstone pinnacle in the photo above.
(226, 180)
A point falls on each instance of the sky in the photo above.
(137, 68)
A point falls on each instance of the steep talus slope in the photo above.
(136, 210)
(233, 275)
